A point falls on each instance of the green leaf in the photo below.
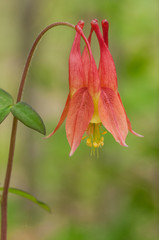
(28, 116)
(6, 101)
(27, 195)
(4, 113)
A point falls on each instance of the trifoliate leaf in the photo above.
(4, 113)
(6, 101)
(28, 116)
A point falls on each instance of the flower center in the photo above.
(95, 117)
(95, 138)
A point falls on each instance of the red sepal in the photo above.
(112, 115)
(63, 116)
(79, 115)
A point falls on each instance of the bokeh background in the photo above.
(115, 196)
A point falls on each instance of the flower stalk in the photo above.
(4, 200)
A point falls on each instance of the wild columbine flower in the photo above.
(93, 99)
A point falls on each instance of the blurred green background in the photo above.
(114, 197)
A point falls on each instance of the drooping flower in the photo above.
(93, 98)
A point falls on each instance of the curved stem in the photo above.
(32, 51)
(14, 130)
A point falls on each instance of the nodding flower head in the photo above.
(93, 98)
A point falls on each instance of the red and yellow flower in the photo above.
(93, 98)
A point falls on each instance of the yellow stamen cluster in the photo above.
(94, 139)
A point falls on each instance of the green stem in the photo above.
(14, 130)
